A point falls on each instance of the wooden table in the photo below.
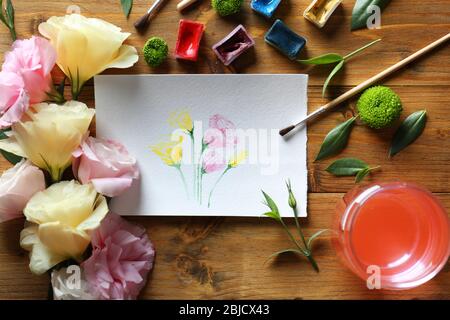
(223, 258)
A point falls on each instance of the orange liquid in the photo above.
(397, 227)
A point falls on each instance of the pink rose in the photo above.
(106, 164)
(17, 185)
(122, 256)
(213, 160)
(221, 132)
(33, 59)
(13, 99)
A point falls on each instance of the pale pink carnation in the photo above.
(14, 100)
(32, 59)
(122, 256)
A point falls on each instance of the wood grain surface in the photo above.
(224, 258)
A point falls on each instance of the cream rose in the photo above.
(61, 219)
(87, 46)
(50, 135)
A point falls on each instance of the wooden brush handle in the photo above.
(184, 4)
(350, 93)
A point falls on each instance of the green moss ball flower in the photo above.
(155, 51)
(379, 107)
(227, 7)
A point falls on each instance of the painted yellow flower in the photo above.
(171, 152)
(182, 120)
(237, 158)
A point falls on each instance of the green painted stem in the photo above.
(191, 134)
(184, 181)
(215, 184)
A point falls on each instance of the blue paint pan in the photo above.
(265, 7)
(285, 40)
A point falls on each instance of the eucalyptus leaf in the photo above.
(331, 75)
(336, 140)
(270, 203)
(2, 17)
(360, 13)
(11, 157)
(272, 215)
(347, 167)
(314, 237)
(323, 59)
(362, 174)
(10, 13)
(284, 251)
(411, 128)
(7, 17)
(126, 6)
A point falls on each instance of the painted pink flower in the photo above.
(221, 123)
(106, 164)
(214, 138)
(33, 59)
(213, 160)
(122, 256)
(221, 132)
(17, 186)
(13, 99)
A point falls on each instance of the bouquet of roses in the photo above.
(68, 225)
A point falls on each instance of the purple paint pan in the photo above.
(233, 45)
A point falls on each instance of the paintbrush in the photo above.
(183, 4)
(366, 84)
(143, 21)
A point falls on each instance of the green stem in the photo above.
(307, 253)
(351, 54)
(199, 173)
(215, 184)
(300, 231)
(184, 181)
(313, 262)
(191, 134)
(292, 238)
(12, 30)
(201, 187)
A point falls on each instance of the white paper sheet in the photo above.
(134, 109)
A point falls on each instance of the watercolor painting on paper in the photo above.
(206, 144)
(219, 153)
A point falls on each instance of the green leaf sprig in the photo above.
(305, 248)
(11, 157)
(126, 6)
(350, 167)
(360, 14)
(7, 17)
(336, 140)
(410, 129)
(331, 58)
